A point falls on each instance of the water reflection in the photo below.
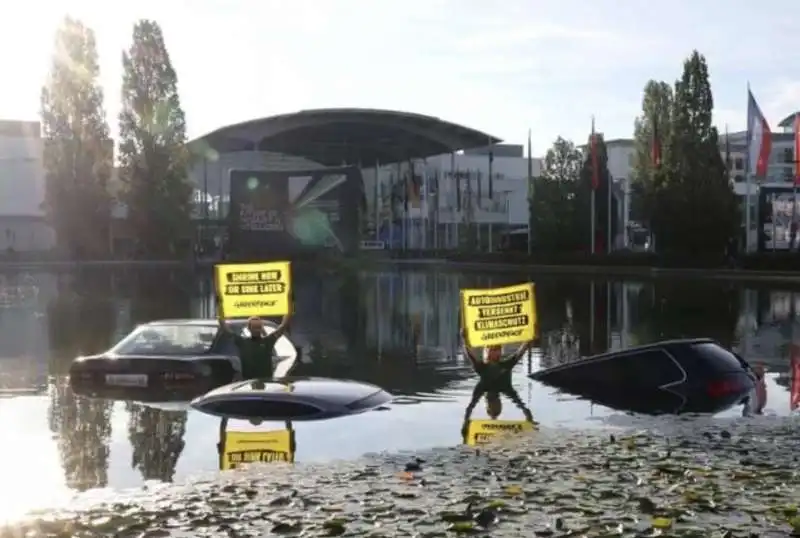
(80, 320)
(397, 329)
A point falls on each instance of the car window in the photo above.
(647, 369)
(226, 345)
(719, 359)
(262, 408)
(167, 340)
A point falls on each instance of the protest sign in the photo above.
(499, 316)
(253, 289)
(483, 431)
(239, 448)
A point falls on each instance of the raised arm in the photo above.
(281, 329)
(468, 351)
(514, 359)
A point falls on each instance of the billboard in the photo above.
(284, 213)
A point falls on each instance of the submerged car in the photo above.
(671, 377)
(292, 398)
(170, 360)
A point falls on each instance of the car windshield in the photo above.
(167, 340)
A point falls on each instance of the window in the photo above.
(263, 409)
(738, 163)
(648, 370)
(788, 156)
(718, 359)
(167, 340)
(739, 178)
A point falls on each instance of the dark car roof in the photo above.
(198, 322)
(665, 345)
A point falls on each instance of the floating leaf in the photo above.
(662, 523)
(462, 526)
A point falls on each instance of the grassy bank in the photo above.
(737, 478)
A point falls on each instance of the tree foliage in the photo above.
(693, 179)
(153, 156)
(78, 150)
(654, 123)
(553, 218)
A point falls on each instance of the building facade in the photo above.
(22, 224)
(418, 204)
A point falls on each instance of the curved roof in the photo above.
(788, 120)
(337, 136)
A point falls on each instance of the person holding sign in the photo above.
(256, 346)
(494, 378)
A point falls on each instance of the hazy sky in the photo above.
(502, 67)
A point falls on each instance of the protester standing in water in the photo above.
(256, 346)
(494, 380)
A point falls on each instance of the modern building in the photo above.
(424, 181)
(22, 224)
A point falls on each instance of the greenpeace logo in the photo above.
(501, 334)
(254, 303)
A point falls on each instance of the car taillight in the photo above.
(723, 387)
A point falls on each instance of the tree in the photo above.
(583, 199)
(651, 131)
(693, 180)
(152, 153)
(78, 151)
(552, 207)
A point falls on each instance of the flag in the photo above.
(593, 155)
(797, 150)
(794, 391)
(491, 174)
(759, 138)
(655, 149)
(727, 150)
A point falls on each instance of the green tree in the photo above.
(152, 154)
(552, 211)
(78, 151)
(652, 127)
(583, 199)
(693, 180)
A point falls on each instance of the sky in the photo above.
(504, 68)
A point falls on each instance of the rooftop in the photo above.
(338, 136)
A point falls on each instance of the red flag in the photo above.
(794, 391)
(759, 138)
(655, 150)
(797, 150)
(593, 154)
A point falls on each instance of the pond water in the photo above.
(397, 329)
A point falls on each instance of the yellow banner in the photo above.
(253, 289)
(250, 447)
(499, 316)
(483, 431)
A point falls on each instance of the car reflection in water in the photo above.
(671, 377)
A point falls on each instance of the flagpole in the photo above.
(377, 201)
(592, 160)
(531, 193)
(592, 232)
(608, 219)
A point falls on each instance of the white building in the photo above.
(339, 136)
(22, 225)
